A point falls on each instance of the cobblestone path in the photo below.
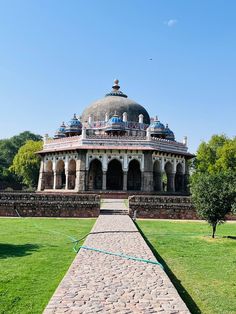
(102, 283)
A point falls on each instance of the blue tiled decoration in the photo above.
(157, 125)
(114, 120)
(74, 126)
(169, 134)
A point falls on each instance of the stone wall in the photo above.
(165, 207)
(49, 205)
(162, 207)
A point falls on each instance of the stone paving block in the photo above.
(101, 283)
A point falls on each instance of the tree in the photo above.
(26, 163)
(20, 139)
(226, 157)
(214, 195)
(8, 149)
(209, 153)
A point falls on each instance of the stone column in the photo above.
(186, 183)
(186, 178)
(54, 180)
(54, 174)
(41, 185)
(104, 180)
(77, 176)
(142, 181)
(81, 172)
(67, 179)
(67, 172)
(171, 182)
(80, 180)
(147, 183)
(182, 183)
(124, 180)
(160, 185)
(147, 174)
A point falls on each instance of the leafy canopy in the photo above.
(219, 154)
(8, 149)
(26, 163)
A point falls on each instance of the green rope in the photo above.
(121, 255)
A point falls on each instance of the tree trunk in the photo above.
(213, 230)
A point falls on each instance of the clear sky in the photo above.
(58, 56)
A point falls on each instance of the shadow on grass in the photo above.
(192, 306)
(230, 237)
(17, 250)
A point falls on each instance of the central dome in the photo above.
(115, 102)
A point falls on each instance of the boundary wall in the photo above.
(49, 205)
(88, 205)
(164, 207)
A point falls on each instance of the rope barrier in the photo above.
(73, 240)
(122, 255)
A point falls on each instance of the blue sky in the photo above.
(56, 57)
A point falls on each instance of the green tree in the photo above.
(8, 149)
(226, 157)
(26, 163)
(209, 153)
(214, 196)
(20, 139)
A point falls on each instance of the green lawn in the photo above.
(202, 269)
(35, 253)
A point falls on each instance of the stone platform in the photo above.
(102, 283)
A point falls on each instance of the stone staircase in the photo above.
(114, 212)
(114, 207)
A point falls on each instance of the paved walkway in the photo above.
(101, 283)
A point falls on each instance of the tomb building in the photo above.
(114, 146)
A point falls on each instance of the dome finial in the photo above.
(116, 84)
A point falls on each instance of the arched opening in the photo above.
(71, 174)
(114, 175)
(95, 175)
(164, 182)
(170, 179)
(157, 178)
(179, 178)
(134, 176)
(60, 175)
(48, 175)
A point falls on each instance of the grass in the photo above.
(202, 269)
(35, 253)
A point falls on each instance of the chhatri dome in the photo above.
(118, 102)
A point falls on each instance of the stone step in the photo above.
(114, 212)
